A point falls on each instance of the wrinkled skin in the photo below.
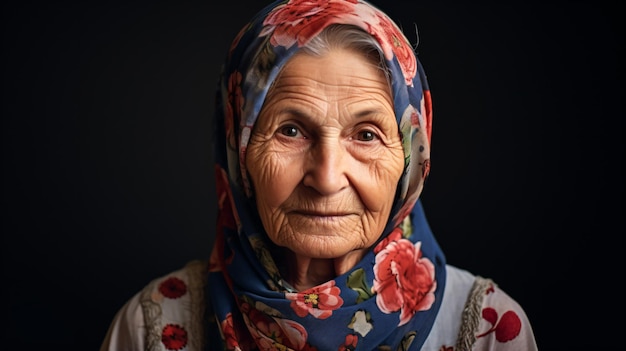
(325, 157)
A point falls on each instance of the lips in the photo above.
(322, 213)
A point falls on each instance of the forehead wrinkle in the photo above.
(297, 105)
(296, 89)
(355, 82)
(337, 90)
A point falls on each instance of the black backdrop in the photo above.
(107, 182)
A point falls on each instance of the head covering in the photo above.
(391, 297)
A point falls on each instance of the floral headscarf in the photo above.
(390, 299)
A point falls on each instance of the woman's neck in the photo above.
(305, 272)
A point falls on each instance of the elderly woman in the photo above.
(323, 128)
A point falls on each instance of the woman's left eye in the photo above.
(366, 135)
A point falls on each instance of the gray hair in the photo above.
(345, 36)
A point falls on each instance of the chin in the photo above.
(327, 251)
(320, 244)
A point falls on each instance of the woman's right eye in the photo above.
(290, 130)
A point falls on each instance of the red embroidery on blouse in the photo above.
(173, 288)
(490, 290)
(174, 337)
(506, 329)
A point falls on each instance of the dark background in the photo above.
(106, 145)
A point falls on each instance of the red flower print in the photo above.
(228, 330)
(350, 343)
(395, 235)
(392, 40)
(300, 20)
(427, 112)
(403, 280)
(174, 337)
(506, 329)
(172, 288)
(446, 348)
(319, 301)
(270, 331)
(304, 19)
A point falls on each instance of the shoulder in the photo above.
(503, 324)
(448, 322)
(476, 314)
(168, 311)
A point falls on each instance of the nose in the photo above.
(326, 167)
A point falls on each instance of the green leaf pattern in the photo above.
(356, 282)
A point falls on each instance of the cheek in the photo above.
(377, 184)
(274, 179)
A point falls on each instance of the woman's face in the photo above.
(325, 155)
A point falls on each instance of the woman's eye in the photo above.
(291, 131)
(366, 135)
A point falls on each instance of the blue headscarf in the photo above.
(392, 296)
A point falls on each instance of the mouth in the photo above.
(321, 214)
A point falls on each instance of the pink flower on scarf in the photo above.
(350, 343)
(301, 20)
(404, 281)
(271, 332)
(298, 21)
(319, 301)
(395, 235)
(394, 43)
